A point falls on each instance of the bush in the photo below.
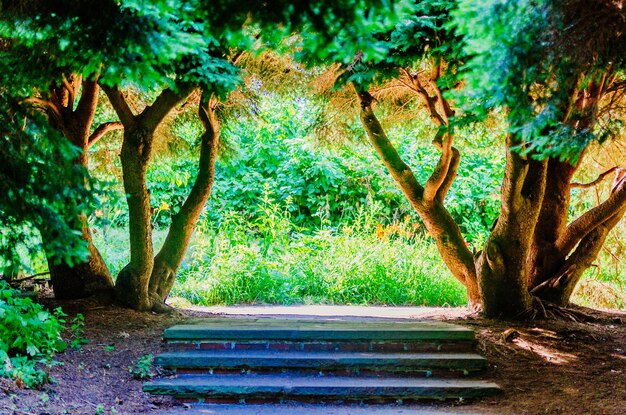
(29, 336)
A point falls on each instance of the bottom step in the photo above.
(287, 387)
(312, 409)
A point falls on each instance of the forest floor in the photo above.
(544, 367)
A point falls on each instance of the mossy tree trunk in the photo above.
(132, 284)
(532, 251)
(145, 282)
(169, 258)
(75, 122)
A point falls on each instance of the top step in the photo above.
(320, 329)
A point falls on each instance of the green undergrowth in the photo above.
(29, 338)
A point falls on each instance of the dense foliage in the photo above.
(38, 194)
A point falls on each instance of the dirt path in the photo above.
(547, 367)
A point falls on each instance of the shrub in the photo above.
(29, 336)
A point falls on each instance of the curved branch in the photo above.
(600, 178)
(440, 224)
(439, 174)
(429, 102)
(119, 104)
(46, 105)
(450, 176)
(102, 130)
(396, 166)
(593, 218)
(153, 114)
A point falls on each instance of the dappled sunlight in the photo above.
(550, 355)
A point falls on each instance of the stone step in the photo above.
(315, 330)
(244, 388)
(267, 360)
(312, 409)
(421, 346)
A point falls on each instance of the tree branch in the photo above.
(87, 104)
(440, 224)
(514, 177)
(46, 105)
(450, 176)
(396, 166)
(600, 178)
(117, 100)
(430, 102)
(71, 90)
(102, 130)
(153, 114)
(440, 173)
(593, 218)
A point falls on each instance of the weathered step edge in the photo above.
(211, 332)
(270, 387)
(466, 362)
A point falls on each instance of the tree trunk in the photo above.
(169, 258)
(588, 240)
(82, 280)
(501, 266)
(133, 282)
(90, 277)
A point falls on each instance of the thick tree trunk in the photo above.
(586, 236)
(169, 258)
(133, 282)
(90, 277)
(501, 266)
(545, 259)
(82, 280)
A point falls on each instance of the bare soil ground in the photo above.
(544, 367)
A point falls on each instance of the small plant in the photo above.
(99, 409)
(78, 332)
(143, 368)
(109, 348)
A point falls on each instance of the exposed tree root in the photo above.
(545, 310)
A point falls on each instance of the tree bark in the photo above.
(559, 286)
(132, 281)
(82, 280)
(501, 266)
(91, 277)
(169, 258)
(544, 257)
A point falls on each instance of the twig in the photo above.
(596, 181)
(30, 277)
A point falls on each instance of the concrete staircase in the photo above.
(269, 360)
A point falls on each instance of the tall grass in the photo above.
(272, 263)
